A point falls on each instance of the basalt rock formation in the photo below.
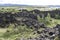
(47, 34)
(29, 18)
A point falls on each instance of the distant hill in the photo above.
(12, 5)
(4, 5)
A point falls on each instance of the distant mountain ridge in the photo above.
(12, 5)
(29, 5)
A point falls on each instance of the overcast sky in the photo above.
(31, 2)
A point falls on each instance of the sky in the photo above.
(31, 2)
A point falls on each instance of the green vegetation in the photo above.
(12, 33)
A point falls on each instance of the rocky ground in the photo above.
(32, 21)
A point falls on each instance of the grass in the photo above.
(21, 31)
(2, 31)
